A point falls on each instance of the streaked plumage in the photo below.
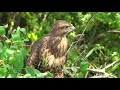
(49, 53)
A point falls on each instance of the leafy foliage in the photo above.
(94, 44)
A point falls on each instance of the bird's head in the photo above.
(62, 28)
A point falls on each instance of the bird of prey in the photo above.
(49, 53)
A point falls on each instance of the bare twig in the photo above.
(114, 30)
(45, 16)
(101, 76)
(108, 66)
(86, 27)
(105, 74)
(79, 39)
(99, 36)
(97, 70)
(87, 72)
(78, 56)
(5, 36)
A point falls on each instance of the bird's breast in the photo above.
(58, 58)
(62, 46)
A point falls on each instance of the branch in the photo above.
(87, 72)
(108, 66)
(99, 77)
(45, 16)
(86, 26)
(79, 39)
(105, 75)
(97, 70)
(114, 30)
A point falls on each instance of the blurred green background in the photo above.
(94, 44)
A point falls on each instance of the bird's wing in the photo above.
(33, 59)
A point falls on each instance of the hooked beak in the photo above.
(71, 28)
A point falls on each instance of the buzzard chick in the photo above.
(49, 53)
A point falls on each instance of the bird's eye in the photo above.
(66, 27)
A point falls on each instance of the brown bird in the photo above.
(49, 53)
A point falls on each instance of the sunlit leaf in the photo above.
(41, 75)
(8, 41)
(11, 59)
(34, 36)
(16, 36)
(74, 69)
(23, 30)
(79, 75)
(9, 52)
(89, 53)
(116, 66)
(27, 75)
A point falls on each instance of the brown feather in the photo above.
(49, 53)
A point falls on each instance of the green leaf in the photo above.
(27, 75)
(23, 30)
(8, 41)
(2, 30)
(9, 52)
(41, 75)
(14, 47)
(29, 35)
(2, 55)
(11, 59)
(72, 35)
(79, 75)
(74, 69)
(49, 74)
(20, 59)
(3, 71)
(11, 75)
(5, 26)
(1, 46)
(34, 36)
(1, 76)
(36, 71)
(18, 28)
(23, 52)
(84, 66)
(30, 70)
(19, 63)
(73, 55)
(19, 42)
(16, 36)
(89, 53)
(116, 66)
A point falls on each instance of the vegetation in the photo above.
(94, 45)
